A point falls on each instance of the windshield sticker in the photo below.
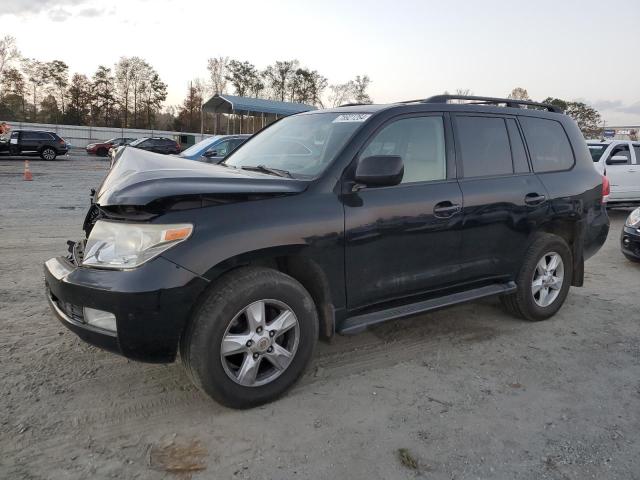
(352, 117)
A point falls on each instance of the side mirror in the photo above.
(210, 154)
(380, 170)
(618, 160)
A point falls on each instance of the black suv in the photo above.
(327, 222)
(157, 145)
(46, 144)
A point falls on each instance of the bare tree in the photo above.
(360, 86)
(36, 73)
(279, 76)
(8, 53)
(341, 93)
(123, 83)
(519, 93)
(58, 77)
(218, 73)
(243, 76)
(307, 87)
(104, 95)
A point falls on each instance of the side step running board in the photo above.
(360, 322)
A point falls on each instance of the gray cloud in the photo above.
(56, 10)
(616, 106)
(633, 108)
(90, 12)
(607, 104)
(59, 14)
(26, 7)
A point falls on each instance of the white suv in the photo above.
(619, 160)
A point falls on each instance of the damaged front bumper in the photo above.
(151, 304)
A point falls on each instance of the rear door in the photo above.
(501, 195)
(621, 171)
(29, 141)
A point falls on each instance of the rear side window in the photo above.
(484, 146)
(520, 164)
(637, 149)
(596, 151)
(548, 144)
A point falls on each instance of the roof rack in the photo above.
(509, 102)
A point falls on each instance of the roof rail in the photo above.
(353, 104)
(509, 102)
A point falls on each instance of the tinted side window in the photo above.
(420, 143)
(484, 146)
(518, 152)
(637, 149)
(548, 144)
(44, 136)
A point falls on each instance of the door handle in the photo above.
(534, 199)
(446, 209)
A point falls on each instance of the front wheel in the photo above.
(48, 153)
(251, 338)
(544, 279)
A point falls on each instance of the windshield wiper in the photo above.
(264, 169)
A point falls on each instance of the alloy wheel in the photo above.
(548, 278)
(260, 343)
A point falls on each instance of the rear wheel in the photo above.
(544, 279)
(48, 153)
(251, 338)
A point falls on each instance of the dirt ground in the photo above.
(463, 393)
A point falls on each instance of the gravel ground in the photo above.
(463, 393)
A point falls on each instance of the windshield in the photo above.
(137, 142)
(193, 149)
(596, 150)
(303, 145)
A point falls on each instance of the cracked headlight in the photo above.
(633, 220)
(122, 245)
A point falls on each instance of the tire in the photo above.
(524, 303)
(225, 313)
(631, 258)
(102, 152)
(48, 153)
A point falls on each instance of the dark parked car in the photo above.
(33, 142)
(102, 148)
(327, 222)
(630, 237)
(157, 145)
(214, 149)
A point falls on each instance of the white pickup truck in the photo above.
(619, 160)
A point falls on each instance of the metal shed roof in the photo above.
(233, 104)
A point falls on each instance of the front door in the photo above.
(404, 240)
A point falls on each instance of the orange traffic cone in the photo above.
(27, 171)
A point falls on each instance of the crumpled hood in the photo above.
(139, 177)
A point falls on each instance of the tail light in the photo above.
(61, 141)
(606, 188)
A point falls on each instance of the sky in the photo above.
(576, 50)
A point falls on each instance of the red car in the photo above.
(102, 148)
